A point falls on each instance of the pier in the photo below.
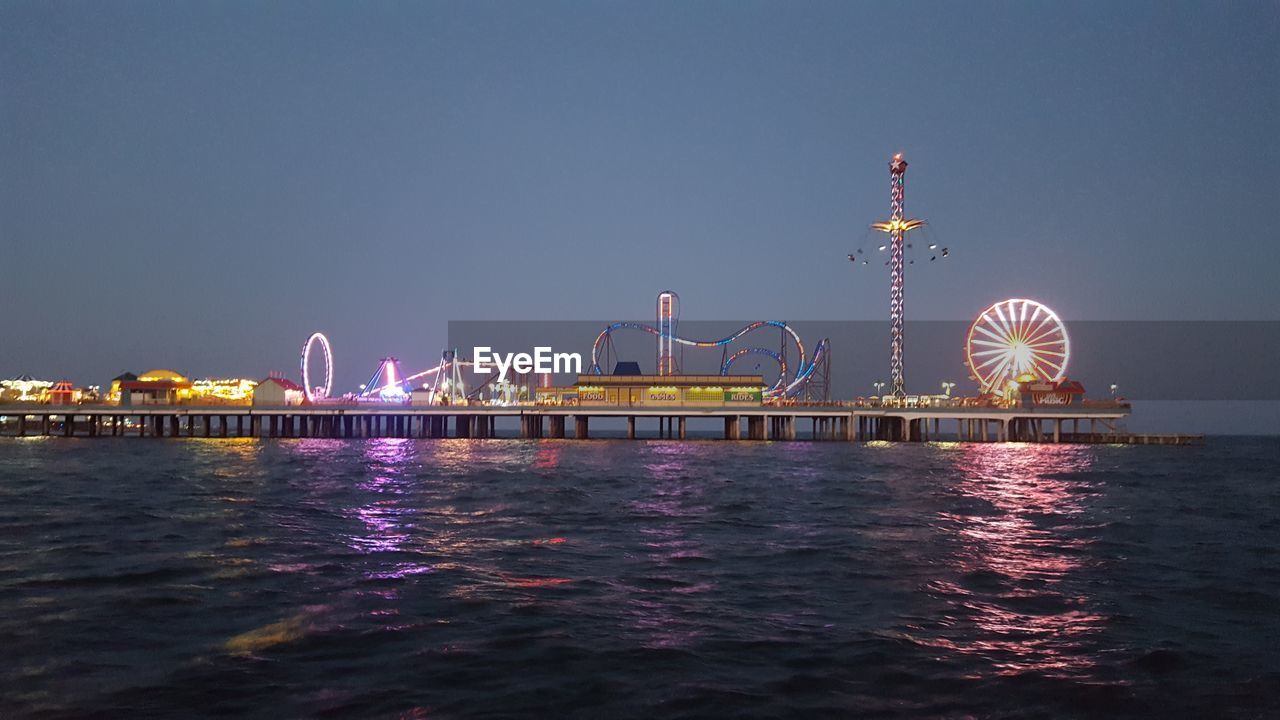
(777, 423)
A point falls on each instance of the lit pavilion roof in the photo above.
(161, 375)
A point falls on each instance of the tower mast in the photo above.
(897, 227)
(668, 318)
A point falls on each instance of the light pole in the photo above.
(878, 385)
(946, 386)
(1114, 387)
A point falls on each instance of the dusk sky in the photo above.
(201, 185)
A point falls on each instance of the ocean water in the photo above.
(606, 579)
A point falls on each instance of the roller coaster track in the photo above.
(784, 387)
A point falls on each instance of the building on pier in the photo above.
(1062, 393)
(223, 391)
(655, 391)
(115, 393)
(627, 367)
(154, 387)
(556, 396)
(278, 391)
(166, 387)
(422, 396)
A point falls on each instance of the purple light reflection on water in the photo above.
(896, 580)
(389, 454)
(386, 518)
(669, 461)
(659, 596)
(411, 501)
(797, 458)
(404, 473)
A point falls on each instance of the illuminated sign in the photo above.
(661, 396)
(743, 395)
(1052, 398)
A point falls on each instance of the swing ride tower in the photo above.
(897, 227)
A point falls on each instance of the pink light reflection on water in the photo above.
(1013, 600)
(674, 497)
(547, 456)
(673, 491)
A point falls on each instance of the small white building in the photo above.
(276, 391)
(421, 396)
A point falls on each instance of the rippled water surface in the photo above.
(455, 578)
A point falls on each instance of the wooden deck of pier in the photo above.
(832, 423)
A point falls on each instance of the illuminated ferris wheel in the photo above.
(1018, 340)
(317, 392)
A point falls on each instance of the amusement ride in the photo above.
(1012, 342)
(806, 375)
(1016, 341)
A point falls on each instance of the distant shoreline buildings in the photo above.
(154, 387)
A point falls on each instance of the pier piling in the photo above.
(767, 423)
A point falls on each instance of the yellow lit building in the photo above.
(223, 391)
(154, 387)
(166, 387)
(658, 391)
(113, 394)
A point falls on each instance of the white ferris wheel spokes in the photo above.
(1015, 339)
